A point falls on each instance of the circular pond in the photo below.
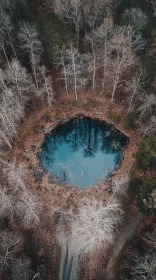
(82, 152)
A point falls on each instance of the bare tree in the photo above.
(7, 115)
(120, 184)
(148, 127)
(3, 85)
(10, 244)
(30, 43)
(47, 87)
(137, 85)
(12, 109)
(28, 208)
(139, 44)
(21, 270)
(148, 105)
(6, 204)
(10, 5)
(94, 225)
(151, 239)
(71, 11)
(15, 175)
(121, 44)
(94, 12)
(144, 267)
(76, 69)
(18, 79)
(100, 51)
(2, 46)
(3, 38)
(102, 36)
(3, 156)
(5, 138)
(60, 61)
(82, 15)
(73, 53)
(93, 64)
(136, 18)
(6, 28)
(11, 113)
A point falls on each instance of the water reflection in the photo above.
(83, 151)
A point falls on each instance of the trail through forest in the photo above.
(69, 260)
(125, 236)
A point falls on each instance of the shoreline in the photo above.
(32, 134)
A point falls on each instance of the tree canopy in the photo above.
(56, 35)
(146, 197)
(146, 155)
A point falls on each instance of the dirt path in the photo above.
(125, 236)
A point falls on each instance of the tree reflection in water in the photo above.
(82, 151)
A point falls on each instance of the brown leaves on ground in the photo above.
(30, 139)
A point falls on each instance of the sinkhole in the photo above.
(82, 152)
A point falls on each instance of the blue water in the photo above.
(82, 152)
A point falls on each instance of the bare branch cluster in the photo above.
(6, 204)
(15, 175)
(150, 239)
(148, 105)
(74, 69)
(22, 269)
(120, 185)
(12, 258)
(10, 244)
(14, 83)
(136, 87)
(46, 87)
(148, 127)
(144, 267)
(94, 225)
(30, 43)
(29, 208)
(121, 43)
(23, 204)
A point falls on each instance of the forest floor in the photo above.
(143, 224)
(125, 236)
(27, 147)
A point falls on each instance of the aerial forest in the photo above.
(78, 140)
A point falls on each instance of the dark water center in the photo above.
(83, 152)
